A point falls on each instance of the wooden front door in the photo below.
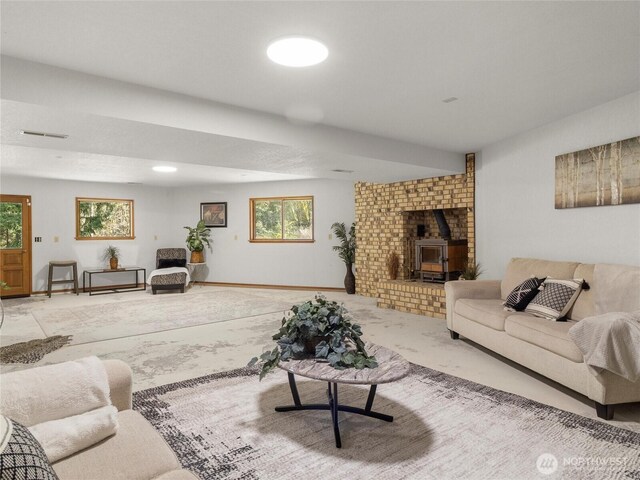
(15, 245)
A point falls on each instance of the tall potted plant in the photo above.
(347, 252)
(197, 238)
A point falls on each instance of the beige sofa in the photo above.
(135, 452)
(475, 311)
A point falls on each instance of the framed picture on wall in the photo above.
(214, 214)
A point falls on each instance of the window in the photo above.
(10, 225)
(104, 219)
(281, 219)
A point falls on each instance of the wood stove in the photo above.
(440, 260)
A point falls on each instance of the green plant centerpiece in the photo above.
(111, 254)
(318, 328)
(347, 252)
(197, 238)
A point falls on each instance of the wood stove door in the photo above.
(432, 258)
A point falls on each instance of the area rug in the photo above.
(224, 426)
(33, 350)
(156, 313)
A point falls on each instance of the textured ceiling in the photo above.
(512, 65)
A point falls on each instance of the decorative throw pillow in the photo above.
(555, 298)
(520, 296)
(21, 456)
(172, 262)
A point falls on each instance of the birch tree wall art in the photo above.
(604, 175)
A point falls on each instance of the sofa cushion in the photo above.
(616, 288)
(584, 306)
(136, 452)
(552, 336)
(487, 312)
(555, 298)
(519, 269)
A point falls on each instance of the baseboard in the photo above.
(273, 287)
(94, 288)
(213, 284)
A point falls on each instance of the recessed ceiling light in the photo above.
(450, 99)
(164, 169)
(297, 51)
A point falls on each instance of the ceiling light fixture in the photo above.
(43, 134)
(164, 169)
(296, 51)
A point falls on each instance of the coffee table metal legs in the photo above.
(333, 406)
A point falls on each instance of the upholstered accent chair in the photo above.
(173, 279)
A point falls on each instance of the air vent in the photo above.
(450, 99)
(340, 170)
(43, 134)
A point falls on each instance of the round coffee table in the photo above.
(391, 367)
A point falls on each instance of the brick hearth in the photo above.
(386, 221)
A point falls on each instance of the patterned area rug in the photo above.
(33, 350)
(90, 323)
(224, 426)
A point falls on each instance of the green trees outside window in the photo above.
(10, 225)
(282, 219)
(104, 219)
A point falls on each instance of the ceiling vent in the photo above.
(43, 134)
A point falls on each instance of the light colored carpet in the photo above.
(155, 313)
(224, 426)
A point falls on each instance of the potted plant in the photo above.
(112, 254)
(318, 328)
(347, 252)
(471, 272)
(197, 238)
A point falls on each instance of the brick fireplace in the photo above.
(390, 218)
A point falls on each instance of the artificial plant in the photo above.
(325, 322)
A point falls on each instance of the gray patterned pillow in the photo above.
(555, 298)
(520, 296)
(21, 456)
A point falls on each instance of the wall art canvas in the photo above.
(214, 214)
(604, 175)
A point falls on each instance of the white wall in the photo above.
(53, 214)
(515, 214)
(163, 212)
(234, 259)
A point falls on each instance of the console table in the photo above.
(107, 289)
(391, 367)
